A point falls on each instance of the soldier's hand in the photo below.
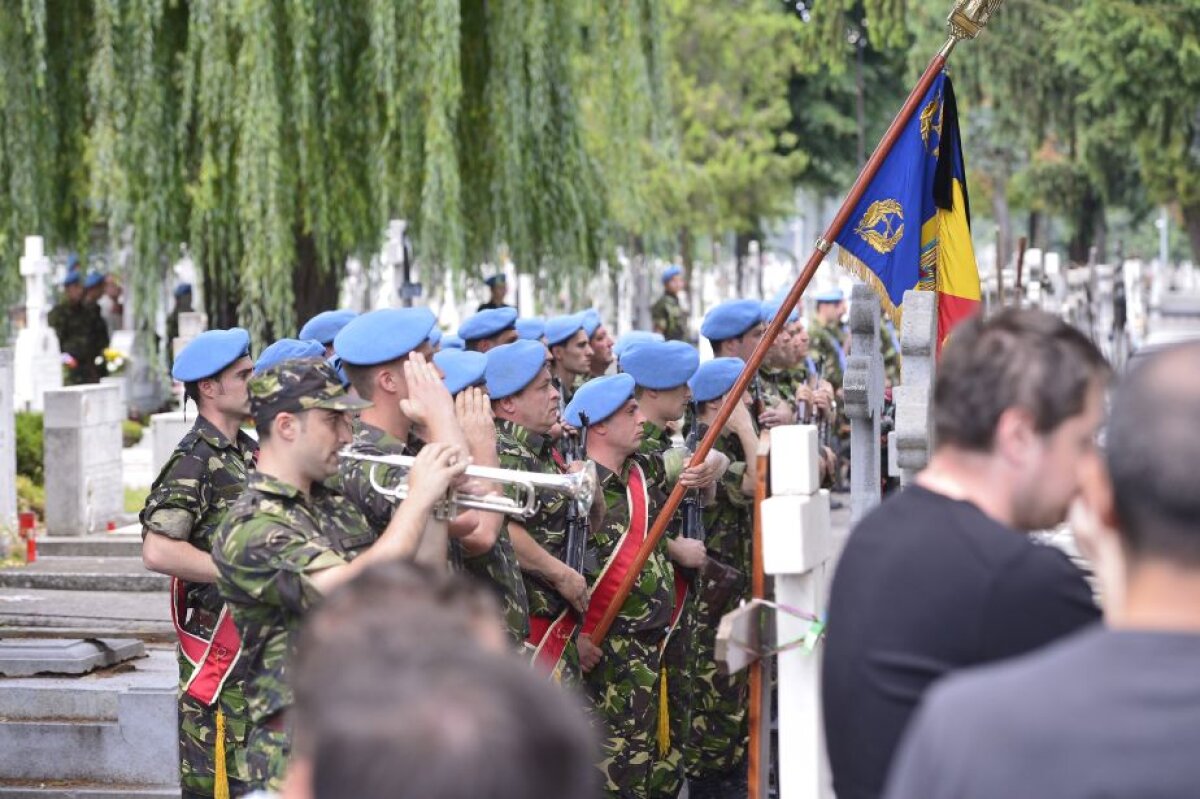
(804, 394)
(707, 473)
(433, 471)
(429, 403)
(823, 397)
(474, 413)
(687, 552)
(779, 415)
(740, 421)
(572, 586)
(589, 653)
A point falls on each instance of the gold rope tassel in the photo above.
(664, 717)
(221, 787)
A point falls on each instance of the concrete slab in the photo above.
(26, 657)
(115, 544)
(84, 574)
(139, 614)
(67, 789)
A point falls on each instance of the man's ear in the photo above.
(1015, 438)
(209, 387)
(508, 405)
(389, 380)
(286, 426)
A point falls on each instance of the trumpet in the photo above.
(579, 487)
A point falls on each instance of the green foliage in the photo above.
(30, 447)
(131, 432)
(135, 499)
(31, 496)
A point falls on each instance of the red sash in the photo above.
(550, 638)
(211, 660)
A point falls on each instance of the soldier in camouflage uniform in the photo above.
(601, 343)
(78, 337)
(289, 539)
(717, 744)
(734, 328)
(567, 340)
(200, 481)
(666, 314)
(827, 343)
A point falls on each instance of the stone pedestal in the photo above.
(166, 430)
(863, 387)
(913, 433)
(84, 490)
(8, 447)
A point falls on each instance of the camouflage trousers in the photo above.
(267, 753)
(198, 736)
(623, 690)
(719, 724)
(667, 776)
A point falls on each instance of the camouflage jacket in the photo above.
(667, 317)
(663, 463)
(727, 519)
(196, 487)
(271, 540)
(652, 599)
(889, 347)
(353, 480)
(520, 448)
(778, 385)
(81, 333)
(828, 350)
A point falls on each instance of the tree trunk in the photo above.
(316, 289)
(1088, 219)
(1191, 223)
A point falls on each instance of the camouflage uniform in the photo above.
(889, 347)
(192, 493)
(624, 687)
(827, 347)
(778, 385)
(272, 539)
(717, 745)
(668, 317)
(81, 337)
(499, 569)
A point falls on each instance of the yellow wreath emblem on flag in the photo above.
(891, 214)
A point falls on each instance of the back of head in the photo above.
(1153, 452)
(1014, 359)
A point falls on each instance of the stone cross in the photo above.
(8, 445)
(863, 387)
(84, 489)
(913, 433)
(37, 359)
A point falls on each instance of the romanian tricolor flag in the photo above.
(912, 228)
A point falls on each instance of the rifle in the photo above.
(577, 521)
(756, 392)
(693, 513)
(719, 581)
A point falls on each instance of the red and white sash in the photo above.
(212, 660)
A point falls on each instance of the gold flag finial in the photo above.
(970, 16)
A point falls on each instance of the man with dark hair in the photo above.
(667, 315)
(734, 328)
(402, 691)
(493, 327)
(572, 353)
(498, 289)
(600, 341)
(1107, 712)
(940, 577)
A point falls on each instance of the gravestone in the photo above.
(84, 489)
(8, 448)
(913, 433)
(863, 387)
(37, 358)
(166, 431)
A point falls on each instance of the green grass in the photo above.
(135, 499)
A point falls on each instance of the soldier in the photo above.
(572, 353)
(285, 350)
(498, 286)
(734, 327)
(717, 746)
(525, 405)
(489, 328)
(325, 326)
(532, 328)
(72, 323)
(779, 380)
(667, 315)
(826, 340)
(289, 539)
(622, 679)
(98, 336)
(633, 338)
(197, 485)
(600, 342)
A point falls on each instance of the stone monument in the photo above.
(863, 387)
(37, 358)
(84, 489)
(913, 433)
(8, 447)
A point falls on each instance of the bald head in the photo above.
(1153, 455)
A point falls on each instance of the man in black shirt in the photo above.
(941, 577)
(1106, 712)
(498, 287)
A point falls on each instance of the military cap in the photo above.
(460, 368)
(453, 342)
(513, 366)
(93, 279)
(336, 363)
(72, 260)
(670, 272)
(771, 308)
(299, 384)
(494, 279)
(325, 326)
(209, 353)
(383, 335)
(634, 338)
(661, 365)
(72, 278)
(599, 399)
(834, 294)
(285, 350)
(731, 319)
(487, 323)
(183, 288)
(435, 336)
(714, 378)
(561, 328)
(531, 328)
(591, 321)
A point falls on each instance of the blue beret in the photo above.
(383, 335)
(661, 365)
(731, 319)
(72, 278)
(336, 363)
(770, 309)
(561, 328)
(183, 288)
(325, 326)
(460, 368)
(286, 349)
(591, 321)
(532, 328)
(513, 366)
(670, 272)
(210, 352)
(453, 342)
(714, 378)
(435, 336)
(486, 324)
(93, 279)
(831, 295)
(634, 338)
(599, 398)
(72, 261)
(494, 279)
